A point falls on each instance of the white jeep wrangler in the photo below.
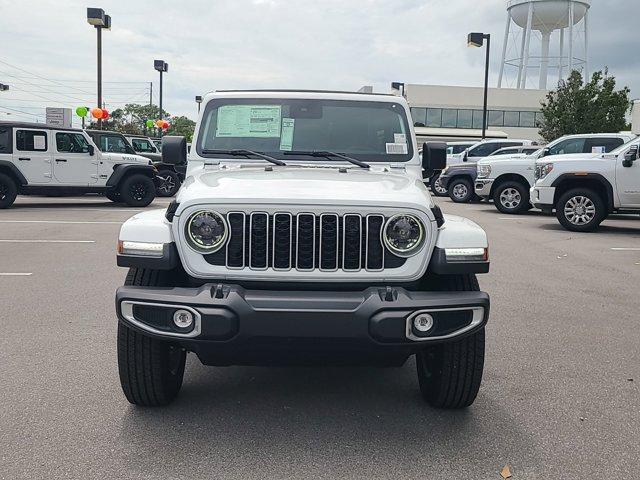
(585, 190)
(507, 180)
(40, 159)
(303, 234)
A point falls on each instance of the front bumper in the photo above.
(483, 187)
(542, 197)
(236, 326)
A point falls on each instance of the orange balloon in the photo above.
(96, 113)
(159, 123)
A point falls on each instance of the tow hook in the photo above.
(388, 294)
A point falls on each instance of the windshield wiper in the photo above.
(329, 155)
(246, 153)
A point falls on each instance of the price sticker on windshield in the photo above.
(396, 148)
(399, 138)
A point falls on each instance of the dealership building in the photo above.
(452, 113)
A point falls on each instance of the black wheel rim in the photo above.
(138, 191)
(167, 185)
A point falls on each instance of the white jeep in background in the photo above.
(37, 159)
(507, 180)
(584, 190)
(303, 234)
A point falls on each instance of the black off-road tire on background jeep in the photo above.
(511, 197)
(461, 190)
(581, 210)
(449, 374)
(169, 185)
(151, 370)
(113, 196)
(137, 190)
(8, 191)
(436, 188)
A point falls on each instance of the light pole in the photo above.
(4, 87)
(100, 20)
(198, 101)
(161, 66)
(477, 40)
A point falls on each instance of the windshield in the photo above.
(367, 131)
(624, 147)
(455, 149)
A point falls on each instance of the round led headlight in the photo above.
(206, 231)
(403, 234)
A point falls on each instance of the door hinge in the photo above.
(48, 175)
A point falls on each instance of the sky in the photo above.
(48, 53)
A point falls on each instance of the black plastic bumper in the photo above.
(259, 327)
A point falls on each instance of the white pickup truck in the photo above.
(507, 180)
(584, 190)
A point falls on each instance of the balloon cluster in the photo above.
(97, 113)
(163, 124)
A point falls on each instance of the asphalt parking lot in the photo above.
(560, 396)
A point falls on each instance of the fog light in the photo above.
(183, 318)
(423, 322)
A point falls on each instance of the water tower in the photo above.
(531, 25)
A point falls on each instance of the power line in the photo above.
(36, 75)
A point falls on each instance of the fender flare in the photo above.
(590, 176)
(458, 232)
(13, 171)
(121, 171)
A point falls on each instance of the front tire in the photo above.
(151, 370)
(449, 374)
(436, 187)
(8, 191)
(169, 183)
(461, 190)
(511, 197)
(580, 210)
(137, 190)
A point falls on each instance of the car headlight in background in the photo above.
(403, 234)
(484, 171)
(543, 170)
(206, 231)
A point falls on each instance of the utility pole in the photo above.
(97, 18)
(161, 66)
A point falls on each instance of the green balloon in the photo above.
(82, 111)
(149, 123)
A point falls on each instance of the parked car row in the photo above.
(38, 159)
(583, 178)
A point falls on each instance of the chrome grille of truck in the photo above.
(305, 242)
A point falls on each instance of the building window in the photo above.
(511, 119)
(465, 119)
(477, 119)
(496, 118)
(539, 119)
(434, 117)
(527, 119)
(449, 118)
(419, 116)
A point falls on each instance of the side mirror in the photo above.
(465, 155)
(631, 156)
(91, 150)
(434, 158)
(174, 150)
(545, 152)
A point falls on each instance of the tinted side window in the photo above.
(5, 139)
(484, 149)
(71, 142)
(608, 144)
(571, 145)
(113, 144)
(31, 141)
(141, 145)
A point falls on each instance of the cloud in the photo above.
(325, 44)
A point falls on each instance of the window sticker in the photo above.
(598, 150)
(396, 148)
(286, 139)
(399, 138)
(39, 142)
(260, 121)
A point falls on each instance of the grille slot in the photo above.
(305, 242)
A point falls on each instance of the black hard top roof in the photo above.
(41, 126)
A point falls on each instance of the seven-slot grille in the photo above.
(305, 242)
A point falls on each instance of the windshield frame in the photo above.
(618, 150)
(216, 102)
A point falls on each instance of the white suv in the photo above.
(507, 180)
(584, 190)
(40, 159)
(302, 235)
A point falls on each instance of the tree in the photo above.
(182, 126)
(576, 108)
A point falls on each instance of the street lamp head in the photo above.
(107, 22)
(161, 65)
(3, 87)
(198, 99)
(97, 17)
(476, 39)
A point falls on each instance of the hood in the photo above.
(572, 156)
(154, 157)
(304, 185)
(516, 159)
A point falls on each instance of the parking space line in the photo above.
(46, 241)
(626, 249)
(14, 274)
(63, 222)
